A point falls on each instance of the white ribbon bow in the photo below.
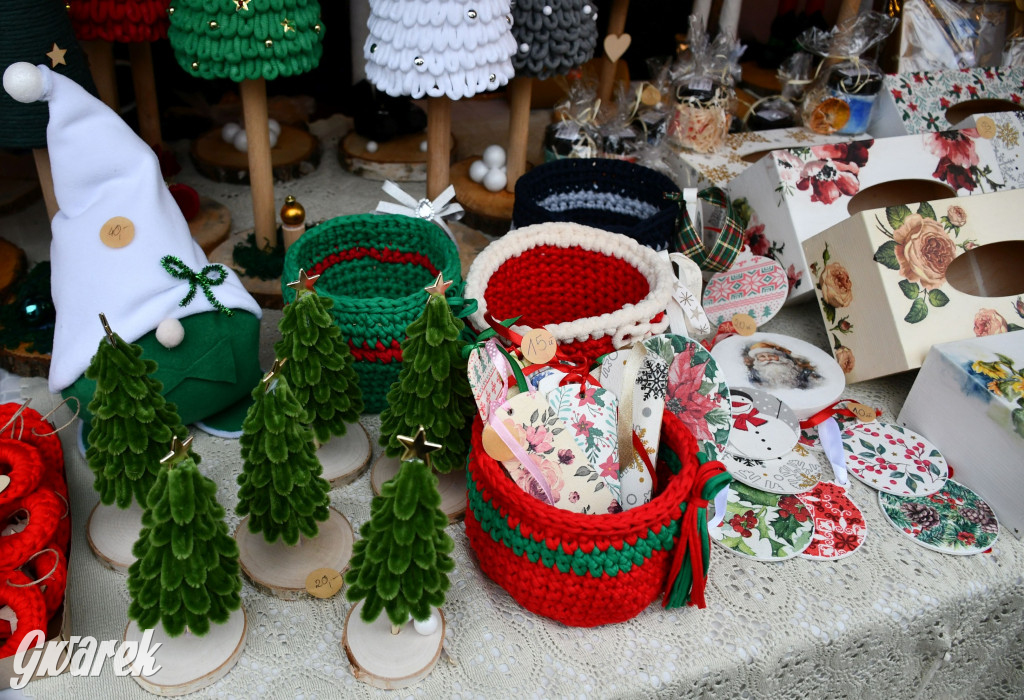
(422, 209)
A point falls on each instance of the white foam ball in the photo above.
(372, 146)
(23, 82)
(170, 333)
(547, 10)
(477, 170)
(274, 126)
(423, 146)
(241, 141)
(273, 138)
(229, 131)
(495, 180)
(427, 627)
(494, 156)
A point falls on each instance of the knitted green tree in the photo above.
(319, 371)
(280, 487)
(401, 563)
(432, 389)
(132, 423)
(186, 569)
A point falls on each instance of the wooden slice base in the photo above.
(112, 533)
(24, 363)
(280, 570)
(399, 159)
(491, 212)
(386, 660)
(212, 225)
(297, 153)
(189, 663)
(267, 293)
(345, 457)
(451, 486)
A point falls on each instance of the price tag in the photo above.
(650, 96)
(494, 446)
(744, 324)
(986, 127)
(539, 346)
(865, 414)
(117, 232)
(323, 583)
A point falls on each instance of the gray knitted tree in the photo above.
(552, 38)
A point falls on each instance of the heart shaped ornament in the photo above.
(754, 285)
(615, 45)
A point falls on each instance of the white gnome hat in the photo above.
(102, 170)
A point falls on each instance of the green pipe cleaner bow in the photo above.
(179, 270)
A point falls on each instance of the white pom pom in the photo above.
(495, 180)
(170, 333)
(23, 82)
(477, 170)
(494, 156)
(423, 146)
(241, 141)
(586, 9)
(273, 138)
(427, 627)
(547, 10)
(274, 126)
(229, 131)
(371, 146)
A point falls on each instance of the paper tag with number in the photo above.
(117, 232)
(744, 324)
(865, 414)
(323, 583)
(539, 346)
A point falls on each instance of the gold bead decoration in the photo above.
(213, 24)
(418, 61)
(269, 43)
(292, 213)
(493, 77)
(195, 65)
(316, 28)
(471, 14)
(170, 10)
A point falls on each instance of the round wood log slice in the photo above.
(188, 662)
(24, 363)
(451, 486)
(212, 225)
(267, 293)
(280, 570)
(297, 153)
(112, 532)
(399, 159)
(345, 457)
(386, 660)
(490, 212)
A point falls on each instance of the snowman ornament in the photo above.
(763, 427)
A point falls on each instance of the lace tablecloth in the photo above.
(892, 620)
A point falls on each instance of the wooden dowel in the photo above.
(101, 65)
(616, 26)
(42, 158)
(439, 147)
(141, 55)
(519, 91)
(261, 171)
(849, 8)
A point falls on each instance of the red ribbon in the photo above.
(740, 420)
(829, 411)
(690, 535)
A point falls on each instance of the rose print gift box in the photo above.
(795, 193)
(968, 399)
(892, 282)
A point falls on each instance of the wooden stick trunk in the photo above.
(145, 92)
(261, 172)
(519, 92)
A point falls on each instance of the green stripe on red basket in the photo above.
(386, 255)
(595, 562)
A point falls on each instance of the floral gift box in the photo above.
(914, 103)
(968, 399)
(894, 281)
(796, 193)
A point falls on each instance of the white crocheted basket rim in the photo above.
(630, 323)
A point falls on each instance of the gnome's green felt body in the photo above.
(186, 569)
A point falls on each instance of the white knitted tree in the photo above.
(443, 49)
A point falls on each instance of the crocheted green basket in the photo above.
(374, 268)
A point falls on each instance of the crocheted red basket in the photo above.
(589, 570)
(595, 291)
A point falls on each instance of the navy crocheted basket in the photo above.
(609, 194)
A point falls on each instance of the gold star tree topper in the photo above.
(56, 56)
(304, 283)
(271, 377)
(242, 5)
(439, 287)
(179, 450)
(418, 447)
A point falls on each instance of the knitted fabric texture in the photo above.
(44, 510)
(374, 268)
(26, 601)
(613, 195)
(24, 466)
(28, 31)
(30, 428)
(455, 48)
(595, 291)
(553, 36)
(119, 20)
(271, 38)
(581, 570)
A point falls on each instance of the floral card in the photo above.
(754, 285)
(575, 484)
(763, 526)
(893, 459)
(953, 520)
(839, 528)
(591, 413)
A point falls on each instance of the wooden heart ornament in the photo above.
(615, 45)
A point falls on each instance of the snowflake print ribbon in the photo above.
(177, 268)
(435, 211)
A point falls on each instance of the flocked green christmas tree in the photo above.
(319, 370)
(186, 569)
(402, 561)
(280, 487)
(132, 423)
(432, 389)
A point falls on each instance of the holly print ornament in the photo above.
(762, 525)
(953, 520)
(839, 528)
(893, 459)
